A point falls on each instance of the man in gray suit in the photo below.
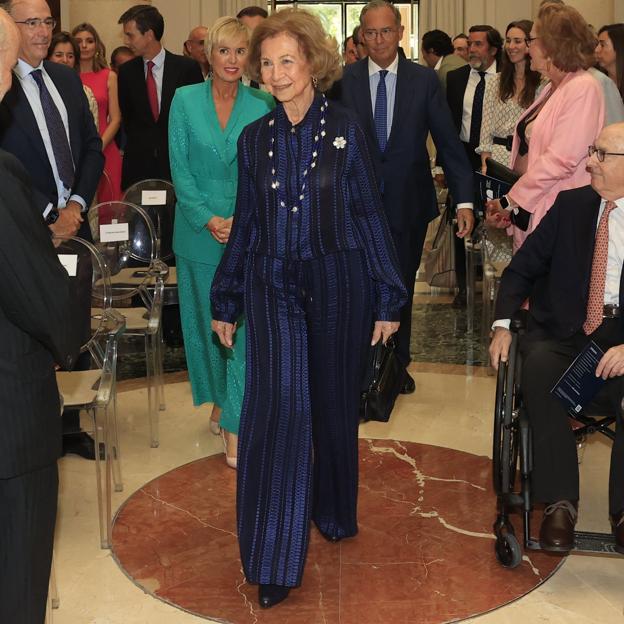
(35, 333)
(437, 52)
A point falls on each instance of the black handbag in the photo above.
(383, 381)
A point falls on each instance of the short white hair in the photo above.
(380, 4)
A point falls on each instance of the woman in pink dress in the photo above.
(94, 73)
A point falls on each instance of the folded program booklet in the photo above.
(579, 385)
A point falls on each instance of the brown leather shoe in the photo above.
(557, 530)
(617, 522)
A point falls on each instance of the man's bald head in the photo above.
(9, 46)
(607, 175)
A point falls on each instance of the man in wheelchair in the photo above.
(570, 269)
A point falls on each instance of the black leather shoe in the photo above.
(557, 530)
(79, 444)
(409, 385)
(617, 522)
(270, 595)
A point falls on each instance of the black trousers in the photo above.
(27, 518)
(409, 246)
(555, 464)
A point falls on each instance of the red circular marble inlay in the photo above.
(424, 552)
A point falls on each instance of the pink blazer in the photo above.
(569, 122)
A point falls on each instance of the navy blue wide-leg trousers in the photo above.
(308, 329)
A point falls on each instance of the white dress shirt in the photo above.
(615, 257)
(31, 91)
(469, 93)
(391, 81)
(157, 71)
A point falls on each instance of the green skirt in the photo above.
(217, 374)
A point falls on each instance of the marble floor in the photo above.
(451, 408)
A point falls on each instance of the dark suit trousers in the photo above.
(555, 464)
(409, 246)
(27, 518)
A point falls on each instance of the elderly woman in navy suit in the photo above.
(311, 260)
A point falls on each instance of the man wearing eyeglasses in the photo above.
(45, 122)
(570, 269)
(398, 103)
(35, 316)
(194, 48)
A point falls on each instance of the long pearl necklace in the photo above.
(318, 136)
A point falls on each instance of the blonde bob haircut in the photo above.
(319, 49)
(565, 37)
(225, 30)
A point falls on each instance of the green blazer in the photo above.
(449, 63)
(204, 166)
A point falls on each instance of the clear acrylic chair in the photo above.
(158, 200)
(125, 235)
(94, 390)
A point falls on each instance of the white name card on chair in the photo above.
(153, 198)
(70, 263)
(114, 232)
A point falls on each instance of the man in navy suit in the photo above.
(570, 268)
(34, 332)
(45, 122)
(414, 106)
(66, 176)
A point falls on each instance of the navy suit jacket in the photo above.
(409, 196)
(553, 266)
(19, 135)
(146, 153)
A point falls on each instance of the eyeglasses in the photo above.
(600, 153)
(384, 33)
(35, 22)
(529, 40)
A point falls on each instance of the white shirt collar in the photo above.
(23, 69)
(438, 64)
(373, 68)
(490, 70)
(158, 60)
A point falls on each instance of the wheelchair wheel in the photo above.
(508, 551)
(505, 434)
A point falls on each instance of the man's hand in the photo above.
(68, 222)
(383, 330)
(499, 347)
(220, 228)
(465, 222)
(612, 363)
(225, 332)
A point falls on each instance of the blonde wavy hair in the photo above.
(320, 50)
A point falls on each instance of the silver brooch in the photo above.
(339, 142)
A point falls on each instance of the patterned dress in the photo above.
(499, 120)
(311, 261)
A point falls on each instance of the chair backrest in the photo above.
(158, 200)
(90, 288)
(125, 236)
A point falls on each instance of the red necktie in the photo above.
(595, 303)
(152, 93)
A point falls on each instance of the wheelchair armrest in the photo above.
(519, 321)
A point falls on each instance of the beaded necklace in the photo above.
(318, 136)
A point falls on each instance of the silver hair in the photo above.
(380, 4)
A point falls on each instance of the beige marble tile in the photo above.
(448, 409)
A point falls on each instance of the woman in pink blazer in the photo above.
(552, 136)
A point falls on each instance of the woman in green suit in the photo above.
(204, 125)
